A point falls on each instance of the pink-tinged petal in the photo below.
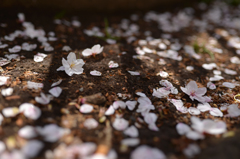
(110, 111)
(182, 128)
(153, 127)
(120, 124)
(87, 52)
(86, 108)
(131, 104)
(130, 141)
(30, 111)
(201, 91)
(197, 124)
(216, 112)
(71, 57)
(233, 110)
(193, 111)
(27, 132)
(204, 107)
(55, 91)
(119, 104)
(90, 123)
(32, 148)
(192, 86)
(200, 99)
(214, 128)
(194, 135)
(150, 118)
(146, 152)
(132, 131)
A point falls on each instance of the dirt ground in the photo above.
(64, 113)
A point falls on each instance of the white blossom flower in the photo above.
(73, 65)
(194, 92)
(96, 49)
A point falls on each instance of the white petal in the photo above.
(44, 99)
(216, 112)
(112, 64)
(10, 111)
(56, 83)
(120, 124)
(118, 104)
(61, 68)
(130, 141)
(90, 123)
(87, 52)
(95, 73)
(55, 91)
(182, 128)
(32, 148)
(3, 80)
(150, 118)
(193, 111)
(145, 152)
(34, 85)
(86, 108)
(191, 150)
(30, 111)
(2, 147)
(39, 57)
(228, 85)
(7, 91)
(212, 127)
(132, 131)
(134, 73)
(141, 94)
(153, 127)
(27, 132)
(230, 72)
(204, 107)
(110, 111)
(131, 104)
(194, 135)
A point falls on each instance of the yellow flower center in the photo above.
(72, 65)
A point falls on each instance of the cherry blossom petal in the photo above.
(182, 128)
(233, 110)
(153, 127)
(44, 99)
(56, 83)
(191, 150)
(193, 111)
(90, 123)
(86, 108)
(30, 111)
(10, 111)
(130, 141)
(228, 85)
(112, 64)
(216, 112)
(27, 132)
(7, 92)
(211, 85)
(204, 107)
(120, 124)
(131, 104)
(214, 128)
(3, 80)
(144, 152)
(110, 111)
(119, 104)
(2, 147)
(131, 131)
(55, 91)
(87, 52)
(134, 73)
(194, 135)
(150, 118)
(34, 85)
(39, 57)
(141, 94)
(95, 73)
(32, 148)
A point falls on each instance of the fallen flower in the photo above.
(73, 65)
(194, 92)
(96, 49)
